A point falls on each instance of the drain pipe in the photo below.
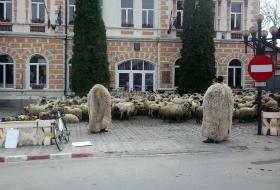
(65, 47)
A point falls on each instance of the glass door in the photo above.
(230, 77)
(124, 81)
(1, 76)
(149, 82)
(137, 81)
(237, 78)
(234, 77)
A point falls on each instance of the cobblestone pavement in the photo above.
(144, 136)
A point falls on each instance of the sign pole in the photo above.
(259, 86)
(261, 68)
(259, 97)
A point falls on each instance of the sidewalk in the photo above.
(145, 136)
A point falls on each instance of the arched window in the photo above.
(176, 72)
(38, 71)
(235, 74)
(136, 75)
(216, 69)
(6, 71)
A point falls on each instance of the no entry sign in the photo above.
(261, 68)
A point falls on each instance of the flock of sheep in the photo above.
(162, 106)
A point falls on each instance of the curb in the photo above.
(20, 158)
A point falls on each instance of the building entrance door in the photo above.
(136, 75)
(137, 82)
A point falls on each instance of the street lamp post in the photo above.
(65, 47)
(258, 42)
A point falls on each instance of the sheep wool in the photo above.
(217, 112)
(99, 109)
(70, 118)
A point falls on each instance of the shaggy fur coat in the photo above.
(99, 109)
(217, 112)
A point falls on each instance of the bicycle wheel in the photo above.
(58, 137)
(65, 130)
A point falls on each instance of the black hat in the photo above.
(219, 79)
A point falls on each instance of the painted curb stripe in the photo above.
(16, 158)
(45, 157)
(2, 159)
(261, 68)
(41, 157)
(60, 156)
(83, 155)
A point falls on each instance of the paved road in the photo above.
(250, 170)
(145, 153)
(143, 135)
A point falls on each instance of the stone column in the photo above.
(228, 14)
(245, 14)
(15, 11)
(219, 15)
(26, 10)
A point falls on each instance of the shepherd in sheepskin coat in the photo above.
(217, 112)
(99, 109)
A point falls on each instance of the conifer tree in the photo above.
(89, 61)
(197, 66)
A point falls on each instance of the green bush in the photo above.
(197, 66)
(89, 61)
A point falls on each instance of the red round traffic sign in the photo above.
(261, 68)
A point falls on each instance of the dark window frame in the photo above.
(39, 4)
(127, 9)
(236, 23)
(38, 62)
(3, 18)
(148, 11)
(6, 62)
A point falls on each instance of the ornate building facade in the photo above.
(142, 53)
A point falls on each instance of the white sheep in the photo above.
(34, 109)
(126, 109)
(153, 108)
(247, 114)
(70, 118)
(75, 111)
(173, 111)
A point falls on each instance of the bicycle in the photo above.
(60, 131)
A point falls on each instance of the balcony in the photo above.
(147, 26)
(236, 36)
(228, 35)
(6, 25)
(37, 86)
(127, 25)
(37, 25)
(37, 28)
(179, 32)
